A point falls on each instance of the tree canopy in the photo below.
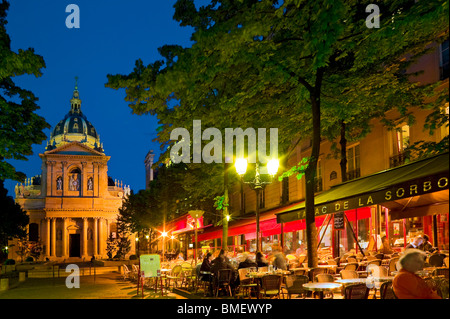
(20, 125)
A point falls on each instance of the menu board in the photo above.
(339, 222)
(150, 265)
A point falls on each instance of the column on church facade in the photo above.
(85, 237)
(53, 244)
(95, 236)
(83, 186)
(101, 236)
(64, 238)
(47, 238)
(65, 178)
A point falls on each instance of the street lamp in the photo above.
(256, 184)
(163, 235)
(195, 214)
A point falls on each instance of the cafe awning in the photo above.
(417, 179)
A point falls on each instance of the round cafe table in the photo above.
(322, 287)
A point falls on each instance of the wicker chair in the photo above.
(271, 286)
(351, 266)
(223, 281)
(386, 291)
(441, 272)
(393, 265)
(300, 272)
(324, 278)
(294, 285)
(358, 291)
(175, 275)
(245, 284)
(315, 271)
(349, 274)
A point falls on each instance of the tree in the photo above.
(287, 65)
(13, 220)
(20, 126)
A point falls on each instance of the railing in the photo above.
(398, 159)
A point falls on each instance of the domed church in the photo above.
(72, 207)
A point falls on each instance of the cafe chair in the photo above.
(441, 272)
(378, 271)
(351, 266)
(271, 286)
(393, 265)
(223, 281)
(245, 284)
(386, 291)
(446, 261)
(294, 285)
(263, 269)
(376, 262)
(325, 278)
(349, 274)
(175, 276)
(127, 274)
(313, 272)
(358, 291)
(379, 256)
(300, 272)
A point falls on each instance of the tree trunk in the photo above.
(311, 171)
(225, 207)
(343, 162)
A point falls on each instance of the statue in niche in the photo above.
(90, 184)
(89, 233)
(59, 183)
(74, 182)
(59, 234)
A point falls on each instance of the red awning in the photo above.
(268, 226)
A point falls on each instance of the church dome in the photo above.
(75, 127)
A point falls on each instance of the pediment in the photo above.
(74, 148)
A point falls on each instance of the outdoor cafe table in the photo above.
(322, 287)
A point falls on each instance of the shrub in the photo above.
(9, 262)
(29, 259)
(133, 257)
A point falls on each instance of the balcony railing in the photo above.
(398, 159)
(353, 174)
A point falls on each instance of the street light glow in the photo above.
(164, 234)
(272, 166)
(241, 166)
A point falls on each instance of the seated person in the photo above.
(406, 284)
(246, 262)
(260, 260)
(426, 245)
(415, 243)
(279, 261)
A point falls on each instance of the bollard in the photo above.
(4, 284)
(22, 276)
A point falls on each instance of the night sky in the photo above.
(113, 34)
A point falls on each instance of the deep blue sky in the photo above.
(113, 34)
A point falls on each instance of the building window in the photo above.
(400, 143)
(353, 163)
(318, 185)
(285, 190)
(443, 63)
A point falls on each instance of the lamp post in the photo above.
(163, 235)
(257, 185)
(195, 214)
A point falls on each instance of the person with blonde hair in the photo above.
(408, 285)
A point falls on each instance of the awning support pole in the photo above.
(329, 220)
(354, 236)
